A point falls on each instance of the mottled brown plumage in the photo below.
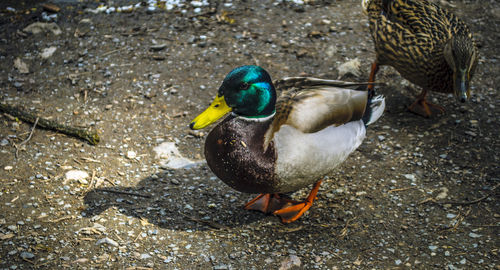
(425, 43)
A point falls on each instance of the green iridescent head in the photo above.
(247, 91)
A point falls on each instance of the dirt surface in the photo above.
(419, 193)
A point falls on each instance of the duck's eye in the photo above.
(216, 106)
(244, 86)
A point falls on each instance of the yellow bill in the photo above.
(216, 110)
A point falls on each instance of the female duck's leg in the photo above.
(422, 107)
(291, 213)
(373, 72)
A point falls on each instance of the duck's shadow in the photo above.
(195, 199)
(176, 199)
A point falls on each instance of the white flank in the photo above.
(304, 158)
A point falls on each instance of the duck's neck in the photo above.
(259, 118)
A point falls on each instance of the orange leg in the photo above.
(291, 213)
(371, 79)
(422, 107)
(266, 203)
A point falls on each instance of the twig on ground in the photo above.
(463, 202)
(109, 181)
(29, 138)
(400, 189)
(91, 136)
(138, 268)
(476, 200)
(125, 193)
(205, 222)
(90, 160)
(30, 261)
(113, 51)
(92, 180)
(60, 219)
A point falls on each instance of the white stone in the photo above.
(443, 194)
(80, 176)
(131, 154)
(474, 235)
(290, 262)
(171, 158)
(350, 67)
(48, 52)
(411, 177)
(108, 241)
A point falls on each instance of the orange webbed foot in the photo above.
(267, 203)
(424, 108)
(291, 213)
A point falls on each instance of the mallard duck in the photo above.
(273, 145)
(426, 44)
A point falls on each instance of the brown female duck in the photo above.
(426, 44)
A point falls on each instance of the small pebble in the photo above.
(48, 52)
(474, 235)
(443, 194)
(175, 181)
(158, 47)
(108, 241)
(145, 256)
(77, 175)
(352, 67)
(131, 154)
(27, 255)
(290, 262)
(411, 177)
(470, 133)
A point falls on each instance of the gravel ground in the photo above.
(419, 193)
